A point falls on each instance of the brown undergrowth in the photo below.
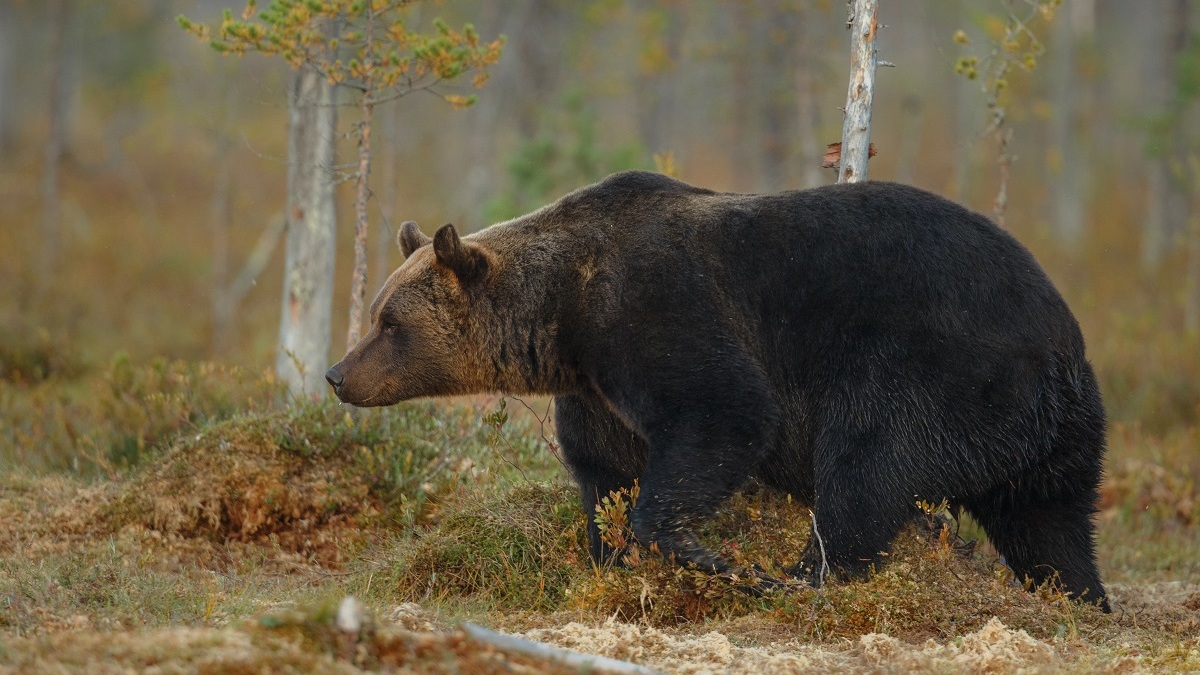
(175, 560)
(520, 550)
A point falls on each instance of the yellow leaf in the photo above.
(665, 164)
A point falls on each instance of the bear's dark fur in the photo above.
(860, 346)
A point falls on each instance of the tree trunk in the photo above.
(304, 332)
(1068, 171)
(807, 141)
(908, 150)
(358, 283)
(8, 50)
(856, 129)
(539, 47)
(220, 215)
(362, 193)
(742, 73)
(657, 82)
(778, 30)
(965, 116)
(1191, 309)
(385, 240)
(1166, 214)
(51, 200)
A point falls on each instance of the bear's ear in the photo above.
(467, 261)
(410, 238)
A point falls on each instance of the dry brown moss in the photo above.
(521, 548)
(524, 550)
(236, 483)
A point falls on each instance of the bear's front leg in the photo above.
(603, 454)
(699, 456)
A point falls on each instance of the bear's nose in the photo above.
(334, 377)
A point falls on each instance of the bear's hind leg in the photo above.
(603, 455)
(1040, 538)
(852, 526)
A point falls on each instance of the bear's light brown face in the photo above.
(420, 342)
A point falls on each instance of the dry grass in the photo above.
(224, 547)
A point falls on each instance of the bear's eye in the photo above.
(387, 328)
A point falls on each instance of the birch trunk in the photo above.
(51, 200)
(305, 327)
(856, 128)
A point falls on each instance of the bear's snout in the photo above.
(335, 378)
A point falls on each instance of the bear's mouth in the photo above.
(361, 403)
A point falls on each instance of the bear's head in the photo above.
(424, 338)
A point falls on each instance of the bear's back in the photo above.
(881, 255)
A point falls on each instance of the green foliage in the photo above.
(558, 160)
(365, 44)
(1012, 43)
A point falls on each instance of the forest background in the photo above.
(154, 169)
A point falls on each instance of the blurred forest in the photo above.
(165, 503)
(171, 159)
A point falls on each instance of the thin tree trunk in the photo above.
(908, 153)
(481, 174)
(778, 31)
(656, 83)
(807, 141)
(385, 240)
(304, 332)
(220, 217)
(742, 72)
(8, 51)
(51, 200)
(965, 116)
(539, 46)
(1069, 181)
(1191, 309)
(1166, 213)
(358, 284)
(856, 129)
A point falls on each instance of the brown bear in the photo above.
(860, 347)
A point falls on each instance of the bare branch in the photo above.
(564, 657)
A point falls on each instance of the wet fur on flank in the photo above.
(859, 346)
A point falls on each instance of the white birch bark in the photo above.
(856, 128)
(305, 326)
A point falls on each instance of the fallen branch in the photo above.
(565, 657)
(257, 261)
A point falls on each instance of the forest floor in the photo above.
(180, 518)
